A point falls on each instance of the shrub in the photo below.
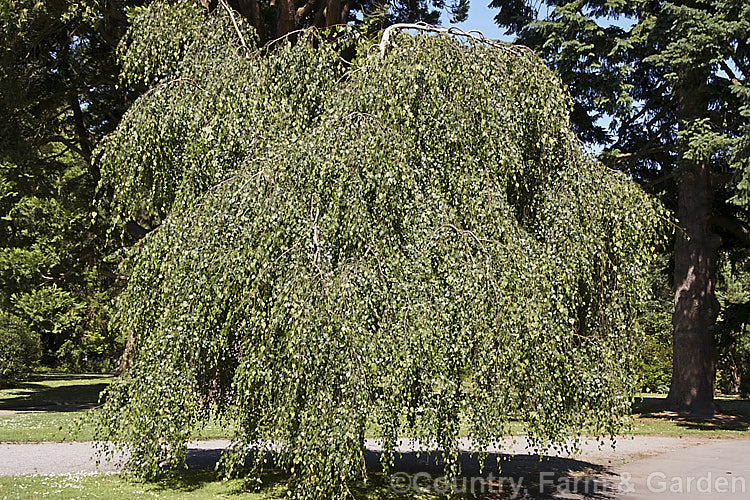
(19, 349)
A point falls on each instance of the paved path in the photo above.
(65, 458)
(50, 458)
(717, 470)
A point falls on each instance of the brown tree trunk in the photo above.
(333, 12)
(285, 21)
(250, 10)
(735, 376)
(695, 254)
(696, 307)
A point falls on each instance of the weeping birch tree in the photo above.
(407, 245)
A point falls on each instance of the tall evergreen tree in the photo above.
(58, 97)
(663, 87)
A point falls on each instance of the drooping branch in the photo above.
(381, 257)
(234, 23)
(471, 34)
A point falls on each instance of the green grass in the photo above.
(54, 407)
(192, 485)
(48, 407)
(732, 419)
(198, 485)
(55, 392)
(48, 426)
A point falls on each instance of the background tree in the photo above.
(662, 86)
(58, 97)
(732, 328)
(19, 349)
(276, 18)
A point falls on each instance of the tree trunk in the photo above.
(333, 12)
(250, 10)
(735, 376)
(285, 21)
(695, 254)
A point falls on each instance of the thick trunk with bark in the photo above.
(696, 307)
(695, 255)
(285, 20)
(333, 12)
(250, 10)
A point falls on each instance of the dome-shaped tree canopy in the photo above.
(403, 244)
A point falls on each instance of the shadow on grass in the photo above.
(420, 475)
(184, 482)
(731, 414)
(55, 393)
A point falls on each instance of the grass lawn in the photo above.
(52, 407)
(732, 419)
(197, 485)
(55, 392)
(47, 407)
(192, 485)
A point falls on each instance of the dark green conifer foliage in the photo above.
(58, 97)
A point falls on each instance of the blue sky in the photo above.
(481, 18)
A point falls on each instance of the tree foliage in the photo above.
(733, 339)
(58, 97)
(630, 60)
(400, 244)
(60, 93)
(19, 350)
